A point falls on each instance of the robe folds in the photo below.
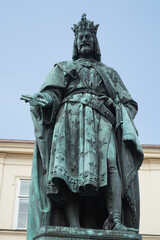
(74, 140)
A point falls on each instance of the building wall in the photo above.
(16, 163)
(149, 177)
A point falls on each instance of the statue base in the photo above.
(67, 233)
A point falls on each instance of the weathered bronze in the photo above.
(87, 151)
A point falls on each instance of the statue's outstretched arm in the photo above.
(38, 99)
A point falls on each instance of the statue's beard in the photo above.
(86, 50)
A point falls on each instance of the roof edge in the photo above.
(33, 141)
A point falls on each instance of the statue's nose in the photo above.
(84, 39)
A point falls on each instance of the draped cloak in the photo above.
(74, 141)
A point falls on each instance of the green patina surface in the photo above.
(87, 151)
(49, 233)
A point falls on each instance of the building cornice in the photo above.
(151, 151)
(26, 147)
(16, 146)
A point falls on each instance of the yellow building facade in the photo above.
(15, 172)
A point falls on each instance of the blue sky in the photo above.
(36, 34)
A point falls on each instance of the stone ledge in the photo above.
(60, 233)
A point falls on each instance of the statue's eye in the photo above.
(88, 36)
(80, 37)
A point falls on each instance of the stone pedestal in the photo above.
(61, 233)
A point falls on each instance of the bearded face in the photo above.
(85, 43)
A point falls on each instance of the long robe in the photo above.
(74, 141)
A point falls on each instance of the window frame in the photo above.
(19, 196)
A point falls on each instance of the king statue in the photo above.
(87, 153)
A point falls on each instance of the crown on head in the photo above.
(85, 25)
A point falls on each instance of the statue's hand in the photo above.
(38, 99)
(108, 101)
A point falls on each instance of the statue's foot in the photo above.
(121, 227)
(75, 225)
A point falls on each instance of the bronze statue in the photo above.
(87, 152)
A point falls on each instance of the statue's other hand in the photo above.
(38, 99)
(108, 101)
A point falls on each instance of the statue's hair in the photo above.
(97, 52)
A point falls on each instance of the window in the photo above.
(22, 203)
